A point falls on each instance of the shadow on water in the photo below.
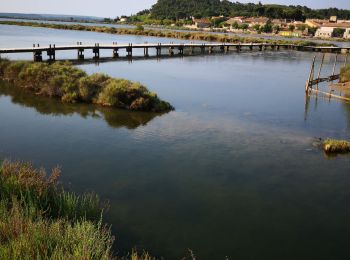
(115, 118)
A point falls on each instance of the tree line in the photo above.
(184, 9)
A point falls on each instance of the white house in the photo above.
(324, 32)
(347, 34)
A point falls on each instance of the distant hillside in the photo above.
(178, 9)
(50, 17)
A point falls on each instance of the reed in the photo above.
(345, 74)
(40, 220)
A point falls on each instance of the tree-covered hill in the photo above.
(179, 9)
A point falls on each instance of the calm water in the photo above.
(234, 171)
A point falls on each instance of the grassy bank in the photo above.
(39, 220)
(345, 74)
(62, 80)
(210, 37)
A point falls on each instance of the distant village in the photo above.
(330, 28)
(327, 28)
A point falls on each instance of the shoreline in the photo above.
(199, 36)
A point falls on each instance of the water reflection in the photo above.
(115, 118)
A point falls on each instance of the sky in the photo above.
(113, 8)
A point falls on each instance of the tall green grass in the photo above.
(64, 81)
(40, 220)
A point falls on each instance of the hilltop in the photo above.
(182, 9)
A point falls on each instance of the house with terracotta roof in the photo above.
(202, 23)
(326, 30)
(256, 21)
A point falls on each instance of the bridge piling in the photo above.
(159, 49)
(51, 53)
(181, 50)
(145, 52)
(115, 53)
(238, 48)
(37, 56)
(96, 51)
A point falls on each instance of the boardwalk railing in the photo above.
(171, 47)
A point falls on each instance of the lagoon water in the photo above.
(234, 171)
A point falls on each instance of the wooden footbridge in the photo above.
(179, 48)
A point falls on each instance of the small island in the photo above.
(72, 85)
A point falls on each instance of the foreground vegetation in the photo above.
(336, 146)
(62, 80)
(39, 220)
(196, 36)
(345, 74)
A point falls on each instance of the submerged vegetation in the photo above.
(198, 36)
(345, 74)
(64, 81)
(336, 146)
(40, 220)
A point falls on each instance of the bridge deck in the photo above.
(124, 46)
(96, 48)
(152, 45)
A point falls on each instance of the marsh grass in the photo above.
(336, 146)
(39, 220)
(345, 74)
(72, 85)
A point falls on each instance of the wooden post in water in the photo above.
(311, 76)
(346, 60)
(335, 64)
(319, 71)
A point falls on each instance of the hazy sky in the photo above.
(112, 8)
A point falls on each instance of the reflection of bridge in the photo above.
(171, 47)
